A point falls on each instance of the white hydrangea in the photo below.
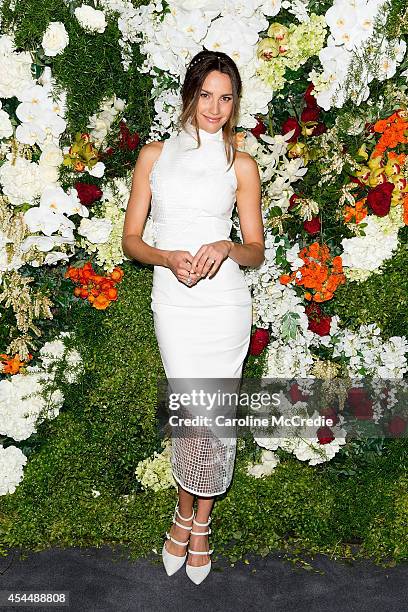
(27, 399)
(15, 69)
(155, 472)
(22, 181)
(286, 360)
(268, 463)
(12, 462)
(55, 351)
(22, 404)
(363, 255)
(6, 128)
(368, 354)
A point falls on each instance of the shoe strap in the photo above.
(202, 524)
(169, 537)
(199, 552)
(201, 532)
(183, 526)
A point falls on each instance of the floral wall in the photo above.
(323, 112)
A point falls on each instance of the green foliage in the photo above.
(381, 299)
(108, 422)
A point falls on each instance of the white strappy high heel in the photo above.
(198, 574)
(173, 563)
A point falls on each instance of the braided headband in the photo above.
(196, 61)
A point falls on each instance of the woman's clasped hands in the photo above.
(189, 269)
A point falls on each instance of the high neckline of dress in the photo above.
(204, 135)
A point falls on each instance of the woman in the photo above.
(201, 303)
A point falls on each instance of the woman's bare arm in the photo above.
(248, 194)
(138, 209)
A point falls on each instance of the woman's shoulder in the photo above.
(151, 150)
(245, 164)
(150, 153)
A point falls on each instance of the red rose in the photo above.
(319, 323)
(133, 142)
(259, 341)
(397, 426)
(379, 199)
(290, 124)
(127, 140)
(355, 395)
(309, 114)
(313, 226)
(309, 98)
(296, 395)
(364, 411)
(361, 405)
(259, 129)
(88, 194)
(325, 435)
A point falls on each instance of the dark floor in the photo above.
(97, 580)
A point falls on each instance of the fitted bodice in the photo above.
(193, 196)
(193, 191)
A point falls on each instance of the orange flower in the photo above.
(393, 130)
(355, 213)
(399, 158)
(13, 365)
(337, 263)
(99, 290)
(285, 279)
(101, 302)
(112, 294)
(116, 274)
(318, 273)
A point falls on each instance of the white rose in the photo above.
(95, 230)
(55, 38)
(51, 156)
(91, 19)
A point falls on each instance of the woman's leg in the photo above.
(185, 504)
(204, 507)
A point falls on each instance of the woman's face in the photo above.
(215, 101)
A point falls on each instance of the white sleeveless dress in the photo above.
(203, 331)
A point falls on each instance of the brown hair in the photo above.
(200, 66)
